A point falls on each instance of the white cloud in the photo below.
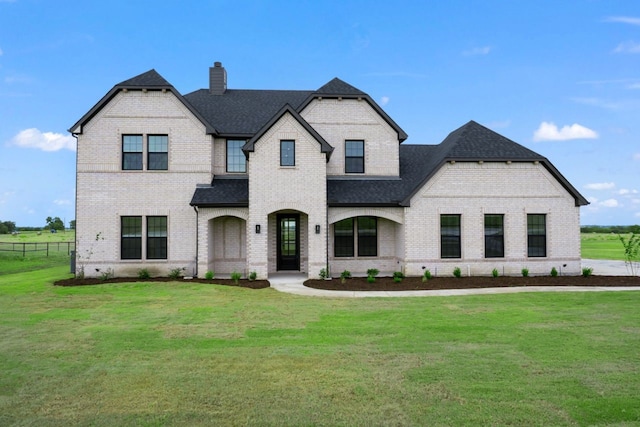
(637, 214)
(624, 191)
(384, 100)
(484, 50)
(61, 202)
(46, 141)
(635, 201)
(627, 47)
(592, 200)
(548, 131)
(610, 203)
(624, 20)
(600, 186)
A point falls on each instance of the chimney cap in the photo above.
(217, 64)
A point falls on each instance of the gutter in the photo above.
(195, 271)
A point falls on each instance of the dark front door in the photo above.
(288, 242)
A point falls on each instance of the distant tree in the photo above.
(54, 223)
(72, 224)
(7, 227)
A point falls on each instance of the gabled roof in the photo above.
(324, 145)
(418, 164)
(223, 192)
(337, 87)
(149, 80)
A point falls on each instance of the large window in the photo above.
(344, 235)
(236, 161)
(343, 238)
(450, 236)
(131, 237)
(494, 236)
(158, 152)
(354, 156)
(287, 153)
(367, 236)
(132, 152)
(536, 235)
(157, 237)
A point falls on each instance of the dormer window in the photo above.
(354, 156)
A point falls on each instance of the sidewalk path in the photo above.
(292, 283)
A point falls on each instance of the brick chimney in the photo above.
(217, 79)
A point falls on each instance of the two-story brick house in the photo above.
(276, 180)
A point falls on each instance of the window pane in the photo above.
(354, 156)
(158, 157)
(131, 237)
(367, 236)
(236, 160)
(450, 236)
(536, 235)
(287, 153)
(343, 238)
(132, 152)
(157, 237)
(493, 236)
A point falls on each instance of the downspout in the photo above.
(195, 271)
(75, 252)
(326, 231)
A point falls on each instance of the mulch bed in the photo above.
(243, 283)
(416, 283)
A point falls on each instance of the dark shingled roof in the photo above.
(242, 113)
(223, 192)
(338, 87)
(148, 80)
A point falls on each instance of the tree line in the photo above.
(52, 223)
(616, 229)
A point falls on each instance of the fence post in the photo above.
(23, 249)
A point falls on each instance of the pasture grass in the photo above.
(181, 353)
(602, 246)
(15, 262)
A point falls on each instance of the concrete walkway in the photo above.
(292, 283)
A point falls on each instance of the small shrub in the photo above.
(235, 276)
(398, 276)
(209, 275)
(457, 272)
(107, 274)
(323, 273)
(373, 272)
(345, 275)
(495, 273)
(554, 272)
(525, 272)
(587, 271)
(371, 279)
(426, 275)
(143, 273)
(252, 276)
(176, 272)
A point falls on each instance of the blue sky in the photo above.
(560, 77)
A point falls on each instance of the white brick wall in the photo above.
(105, 192)
(339, 120)
(274, 188)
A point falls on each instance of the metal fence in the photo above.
(47, 247)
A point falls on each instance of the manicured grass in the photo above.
(182, 353)
(602, 246)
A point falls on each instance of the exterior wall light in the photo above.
(317, 228)
(257, 228)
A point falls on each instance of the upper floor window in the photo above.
(287, 153)
(236, 161)
(450, 236)
(536, 235)
(158, 152)
(493, 236)
(354, 156)
(132, 152)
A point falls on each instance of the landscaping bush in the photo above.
(371, 274)
(252, 276)
(209, 275)
(427, 275)
(495, 273)
(346, 274)
(457, 272)
(398, 276)
(587, 271)
(554, 272)
(323, 273)
(143, 273)
(176, 273)
(235, 276)
(525, 272)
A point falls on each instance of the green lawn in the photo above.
(16, 262)
(193, 354)
(602, 246)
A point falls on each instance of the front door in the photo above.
(288, 242)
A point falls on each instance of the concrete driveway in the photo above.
(603, 267)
